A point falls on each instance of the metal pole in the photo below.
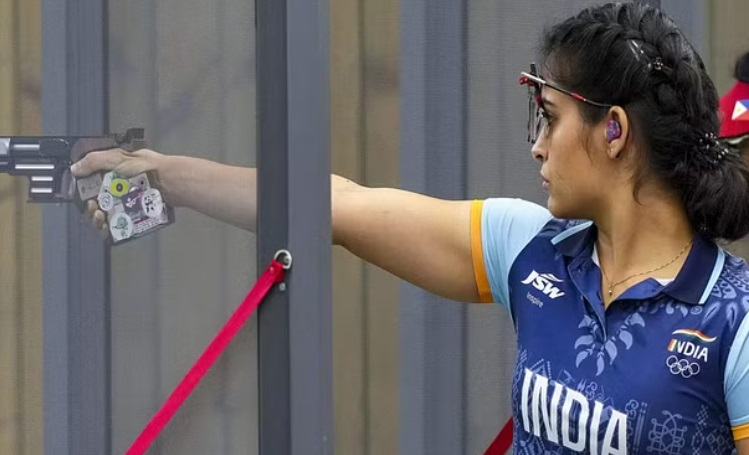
(295, 339)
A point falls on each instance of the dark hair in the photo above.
(742, 68)
(634, 56)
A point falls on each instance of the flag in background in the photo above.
(741, 111)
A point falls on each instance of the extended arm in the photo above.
(420, 239)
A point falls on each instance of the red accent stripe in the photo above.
(272, 275)
(502, 442)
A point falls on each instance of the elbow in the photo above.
(342, 205)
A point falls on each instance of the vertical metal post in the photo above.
(295, 340)
(433, 161)
(76, 261)
(274, 344)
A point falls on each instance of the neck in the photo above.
(634, 237)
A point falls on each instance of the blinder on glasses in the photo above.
(537, 116)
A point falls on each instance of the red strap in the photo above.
(502, 442)
(272, 275)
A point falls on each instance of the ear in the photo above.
(616, 130)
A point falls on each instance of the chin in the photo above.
(560, 210)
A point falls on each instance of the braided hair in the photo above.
(634, 56)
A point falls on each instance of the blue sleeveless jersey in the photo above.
(663, 370)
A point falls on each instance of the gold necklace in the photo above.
(612, 286)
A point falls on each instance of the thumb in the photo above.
(104, 160)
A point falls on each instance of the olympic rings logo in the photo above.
(683, 367)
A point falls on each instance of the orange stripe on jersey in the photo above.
(477, 253)
(696, 334)
(741, 432)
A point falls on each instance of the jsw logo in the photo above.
(544, 283)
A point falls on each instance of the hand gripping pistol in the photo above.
(134, 205)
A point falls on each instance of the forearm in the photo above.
(226, 193)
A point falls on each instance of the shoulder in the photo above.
(520, 213)
(732, 285)
(728, 302)
(735, 269)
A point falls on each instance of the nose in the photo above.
(538, 151)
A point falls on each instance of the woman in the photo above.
(632, 327)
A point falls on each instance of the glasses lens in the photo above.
(535, 119)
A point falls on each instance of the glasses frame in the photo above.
(536, 117)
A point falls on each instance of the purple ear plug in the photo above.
(613, 130)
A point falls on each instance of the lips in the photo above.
(544, 182)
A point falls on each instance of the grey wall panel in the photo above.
(379, 166)
(187, 76)
(727, 40)
(692, 17)
(135, 267)
(75, 261)
(365, 147)
(432, 330)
